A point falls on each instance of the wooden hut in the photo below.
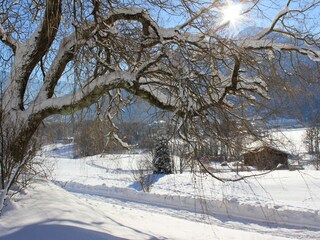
(266, 158)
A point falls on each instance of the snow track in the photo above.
(230, 208)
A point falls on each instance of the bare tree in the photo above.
(143, 175)
(312, 143)
(64, 55)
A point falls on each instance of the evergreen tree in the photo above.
(161, 158)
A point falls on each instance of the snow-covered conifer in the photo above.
(161, 158)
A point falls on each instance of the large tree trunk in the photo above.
(16, 141)
(17, 147)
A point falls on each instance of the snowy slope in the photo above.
(103, 202)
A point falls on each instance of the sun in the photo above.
(232, 13)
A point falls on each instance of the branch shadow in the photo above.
(49, 231)
(53, 231)
(149, 179)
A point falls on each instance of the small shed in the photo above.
(266, 158)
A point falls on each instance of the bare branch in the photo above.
(8, 39)
(281, 16)
(234, 80)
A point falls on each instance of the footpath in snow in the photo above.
(227, 208)
(46, 211)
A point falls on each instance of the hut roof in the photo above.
(265, 147)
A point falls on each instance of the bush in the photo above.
(93, 137)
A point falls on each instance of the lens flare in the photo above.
(232, 13)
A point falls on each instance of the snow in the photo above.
(274, 22)
(97, 198)
(233, 204)
(71, 217)
(106, 81)
(291, 140)
(313, 54)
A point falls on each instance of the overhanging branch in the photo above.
(249, 44)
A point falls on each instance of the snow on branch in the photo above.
(273, 24)
(146, 79)
(67, 47)
(85, 97)
(64, 55)
(137, 14)
(250, 44)
(286, 14)
(101, 85)
(28, 54)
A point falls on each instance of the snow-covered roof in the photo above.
(263, 147)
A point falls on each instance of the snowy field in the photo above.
(97, 198)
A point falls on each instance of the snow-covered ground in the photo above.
(48, 212)
(97, 198)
